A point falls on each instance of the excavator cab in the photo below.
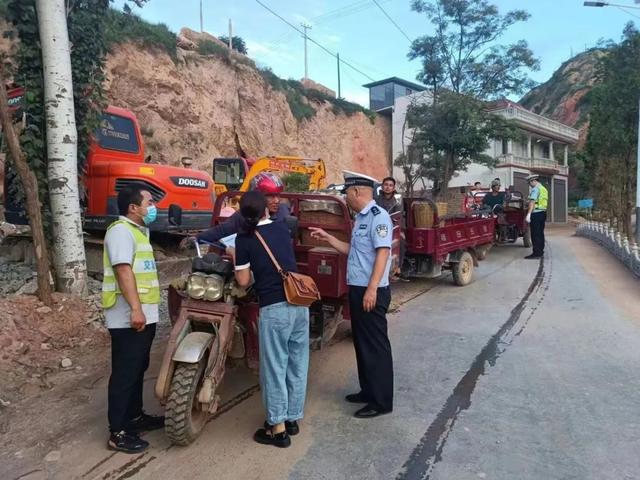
(229, 173)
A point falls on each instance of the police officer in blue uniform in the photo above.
(368, 267)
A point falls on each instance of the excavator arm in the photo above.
(314, 168)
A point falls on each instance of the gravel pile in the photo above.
(15, 276)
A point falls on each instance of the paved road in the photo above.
(528, 373)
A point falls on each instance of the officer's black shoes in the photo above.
(356, 398)
(266, 437)
(127, 443)
(370, 411)
(532, 257)
(292, 427)
(145, 423)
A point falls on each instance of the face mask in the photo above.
(150, 217)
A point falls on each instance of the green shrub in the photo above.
(300, 109)
(121, 27)
(296, 182)
(209, 47)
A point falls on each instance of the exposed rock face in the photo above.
(206, 107)
(560, 98)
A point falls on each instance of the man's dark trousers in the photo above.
(538, 221)
(373, 349)
(129, 360)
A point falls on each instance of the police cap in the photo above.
(354, 179)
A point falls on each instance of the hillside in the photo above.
(560, 98)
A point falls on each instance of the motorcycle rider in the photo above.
(271, 186)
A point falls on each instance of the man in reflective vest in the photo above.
(130, 298)
(537, 215)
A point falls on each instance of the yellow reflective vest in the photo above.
(144, 269)
(541, 199)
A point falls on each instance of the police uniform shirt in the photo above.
(535, 196)
(372, 230)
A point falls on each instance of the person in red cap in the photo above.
(266, 183)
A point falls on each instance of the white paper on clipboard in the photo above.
(229, 241)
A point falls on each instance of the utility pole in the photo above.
(201, 26)
(230, 35)
(306, 64)
(338, 57)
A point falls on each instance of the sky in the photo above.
(368, 40)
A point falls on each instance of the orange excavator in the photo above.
(236, 173)
(116, 160)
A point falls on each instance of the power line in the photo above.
(393, 21)
(627, 11)
(312, 40)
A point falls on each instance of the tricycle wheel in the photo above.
(463, 270)
(526, 238)
(184, 416)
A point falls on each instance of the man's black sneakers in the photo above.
(266, 437)
(532, 257)
(356, 398)
(145, 423)
(127, 443)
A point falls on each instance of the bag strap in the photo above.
(273, 259)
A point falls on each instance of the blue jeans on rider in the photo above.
(284, 360)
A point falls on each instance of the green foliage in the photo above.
(28, 61)
(296, 182)
(209, 47)
(463, 66)
(237, 43)
(121, 27)
(453, 133)
(610, 153)
(296, 92)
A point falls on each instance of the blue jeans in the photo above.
(284, 360)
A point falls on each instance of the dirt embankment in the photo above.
(206, 107)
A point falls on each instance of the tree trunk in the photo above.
(30, 186)
(68, 242)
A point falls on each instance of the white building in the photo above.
(543, 150)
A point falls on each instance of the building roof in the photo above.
(405, 83)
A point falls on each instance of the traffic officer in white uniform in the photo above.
(368, 267)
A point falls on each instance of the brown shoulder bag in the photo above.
(300, 289)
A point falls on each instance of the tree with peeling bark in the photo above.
(30, 185)
(68, 241)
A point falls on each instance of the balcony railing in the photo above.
(535, 120)
(534, 163)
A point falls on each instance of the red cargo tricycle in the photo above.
(437, 244)
(213, 318)
(510, 218)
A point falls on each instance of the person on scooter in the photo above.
(266, 183)
(283, 328)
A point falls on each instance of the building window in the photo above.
(546, 151)
(505, 146)
(409, 91)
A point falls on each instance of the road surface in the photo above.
(528, 373)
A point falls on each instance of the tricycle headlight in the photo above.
(213, 287)
(196, 286)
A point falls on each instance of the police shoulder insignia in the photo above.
(375, 210)
(382, 230)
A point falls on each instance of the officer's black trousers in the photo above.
(373, 349)
(538, 221)
(129, 360)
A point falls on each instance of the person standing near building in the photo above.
(130, 298)
(368, 264)
(537, 215)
